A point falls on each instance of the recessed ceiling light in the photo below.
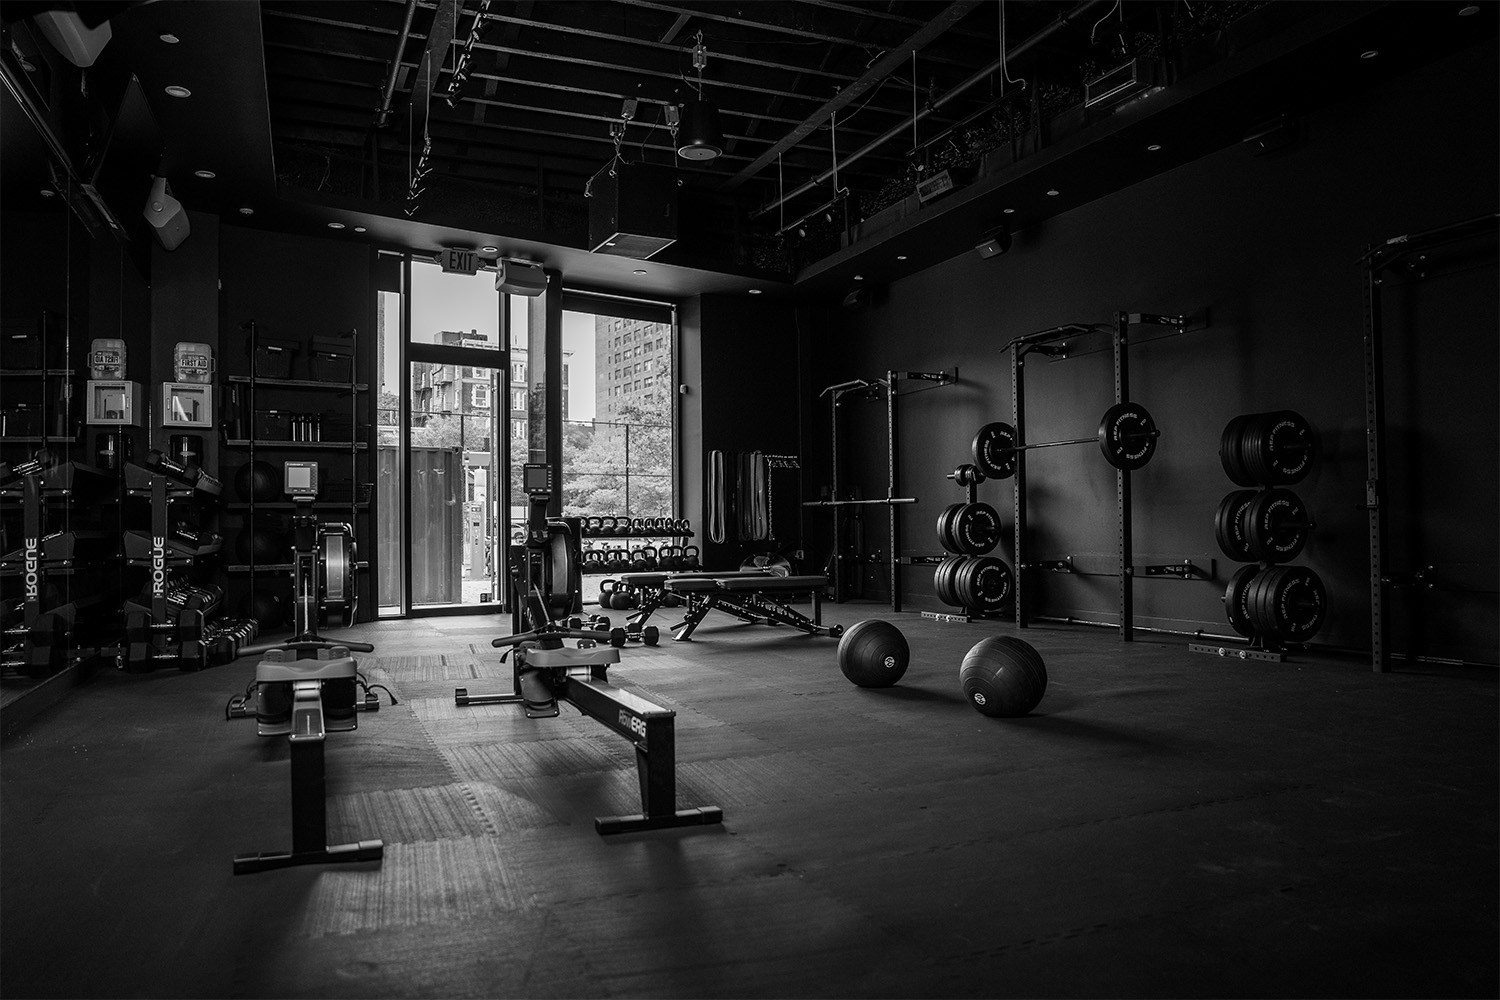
(610, 243)
(755, 291)
(1369, 53)
(1153, 147)
(1010, 211)
(859, 277)
(169, 38)
(489, 249)
(359, 229)
(207, 175)
(1466, 11)
(177, 91)
(901, 256)
(335, 225)
(48, 193)
(247, 210)
(1053, 192)
(639, 270)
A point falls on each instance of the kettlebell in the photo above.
(648, 556)
(690, 557)
(607, 593)
(624, 598)
(607, 525)
(592, 564)
(638, 561)
(670, 558)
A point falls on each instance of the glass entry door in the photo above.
(455, 449)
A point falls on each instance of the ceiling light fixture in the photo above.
(176, 91)
(1369, 53)
(48, 193)
(359, 229)
(207, 175)
(754, 291)
(901, 256)
(859, 277)
(489, 249)
(639, 270)
(700, 137)
(1153, 147)
(1466, 11)
(169, 38)
(1010, 211)
(1053, 192)
(335, 225)
(247, 210)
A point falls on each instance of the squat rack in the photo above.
(1047, 342)
(1376, 260)
(889, 385)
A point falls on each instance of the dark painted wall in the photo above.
(739, 365)
(1270, 245)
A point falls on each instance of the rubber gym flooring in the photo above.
(1165, 824)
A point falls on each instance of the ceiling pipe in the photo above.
(1062, 21)
(383, 113)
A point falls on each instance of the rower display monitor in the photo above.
(300, 478)
(536, 479)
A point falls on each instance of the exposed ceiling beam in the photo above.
(883, 67)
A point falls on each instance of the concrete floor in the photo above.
(1166, 824)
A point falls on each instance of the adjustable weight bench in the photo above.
(751, 597)
(653, 591)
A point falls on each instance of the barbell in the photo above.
(1127, 437)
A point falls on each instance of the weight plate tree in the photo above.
(1268, 604)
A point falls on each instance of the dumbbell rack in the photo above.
(990, 575)
(168, 628)
(1248, 525)
(40, 642)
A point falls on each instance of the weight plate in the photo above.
(945, 527)
(994, 449)
(1286, 447)
(1275, 526)
(1235, 600)
(1294, 604)
(1127, 436)
(1227, 528)
(990, 584)
(1229, 452)
(943, 579)
(974, 528)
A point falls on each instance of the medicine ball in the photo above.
(873, 653)
(266, 607)
(1003, 676)
(258, 481)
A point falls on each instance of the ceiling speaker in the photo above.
(520, 277)
(699, 137)
(993, 243)
(632, 209)
(168, 219)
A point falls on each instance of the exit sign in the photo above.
(460, 261)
